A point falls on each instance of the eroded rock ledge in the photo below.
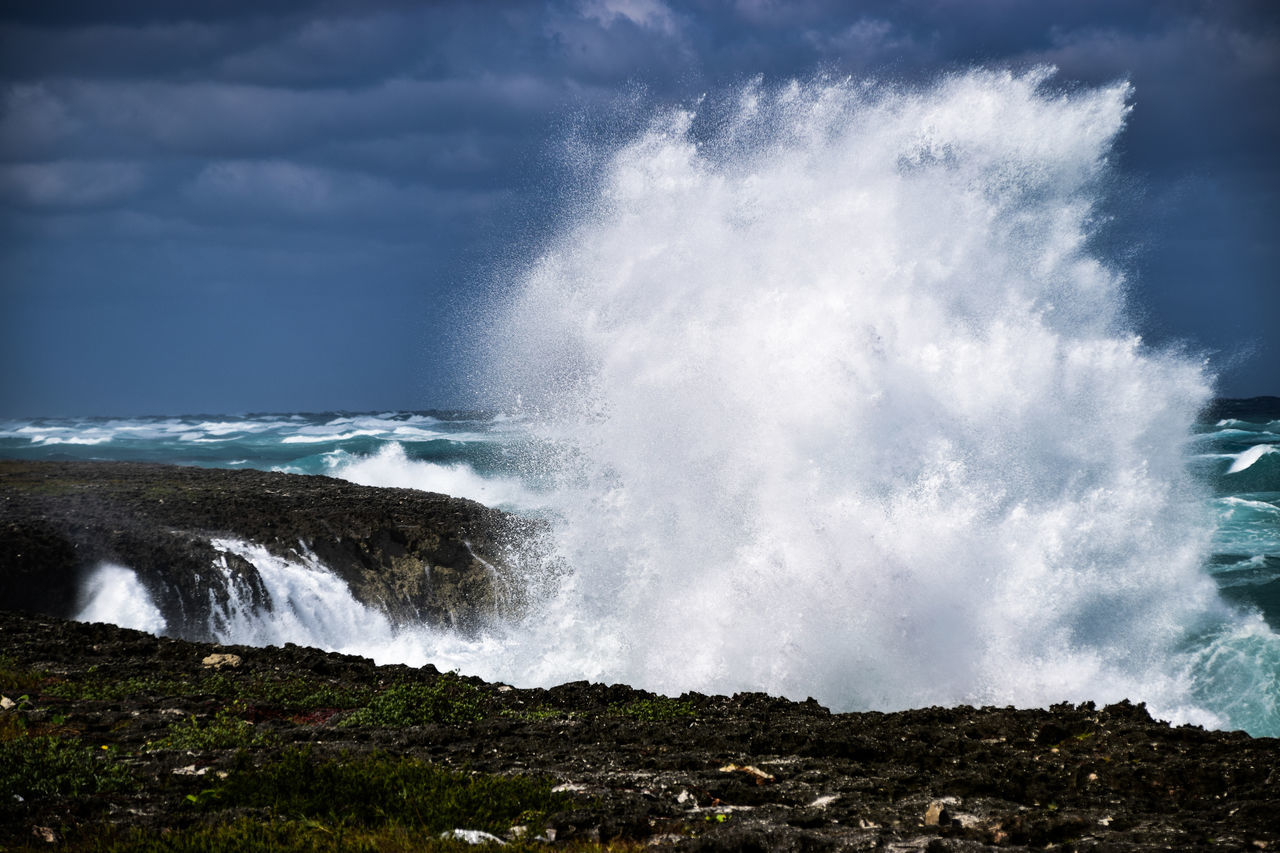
(748, 772)
(414, 555)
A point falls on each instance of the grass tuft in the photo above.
(17, 679)
(39, 767)
(657, 709)
(227, 730)
(246, 835)
(448, 701)
(380, 789)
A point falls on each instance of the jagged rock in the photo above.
(416, 556)
(661, 781)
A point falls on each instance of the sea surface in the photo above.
(826, 389)
(1232, 451)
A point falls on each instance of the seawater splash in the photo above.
(307, 604)
(391, 467)
(113, 594)
(847, 407)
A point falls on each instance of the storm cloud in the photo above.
(286, 205)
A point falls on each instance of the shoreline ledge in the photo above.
(113, 739)
(417, 557)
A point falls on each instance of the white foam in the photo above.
(390, 467)
(309, 605)
(1246, 459)
(409, 433)
(1234, 424)
(1247, 526)
(852, 411)
(327, 436)
(1232, 502)
(232, 427)
(113, 594)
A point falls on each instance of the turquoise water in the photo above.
(485, 458)
(464, 454)
(1237, 456)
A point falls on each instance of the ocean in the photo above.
(827, 389)
(1224, 673)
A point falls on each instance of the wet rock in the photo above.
(415, 556)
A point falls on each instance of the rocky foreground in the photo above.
(112, 739)
(115, 739)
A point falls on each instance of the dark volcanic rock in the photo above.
(748, 772)
(414, 555)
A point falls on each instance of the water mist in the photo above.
(845, 406)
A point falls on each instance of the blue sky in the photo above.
(279, 206)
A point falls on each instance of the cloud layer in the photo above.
(246, 173)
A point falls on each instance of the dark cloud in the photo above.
(225, 165)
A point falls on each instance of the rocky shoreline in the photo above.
(112, 739)
(415, 556)
(180, 731)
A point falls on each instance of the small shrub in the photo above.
(35, 767)
(16, 678)
(537, 715)
(13, 721)
(380, 789)
(657, 709)
(225, 731)
(247, 835)
(304, 694)
(448, 700)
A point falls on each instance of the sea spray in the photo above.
(829, 396)
(113, 593)
(305, 603)
(846, 406)
(391, 467)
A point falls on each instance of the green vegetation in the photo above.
(448, 700)
(15, 678)
(227, 730)
(303, 694)
(657, 709)
(292, 693)
(101, 687)
(246, 835)
(300, 798)
(36, 767)
(536, 715)
(13, 722)
(381, 789)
